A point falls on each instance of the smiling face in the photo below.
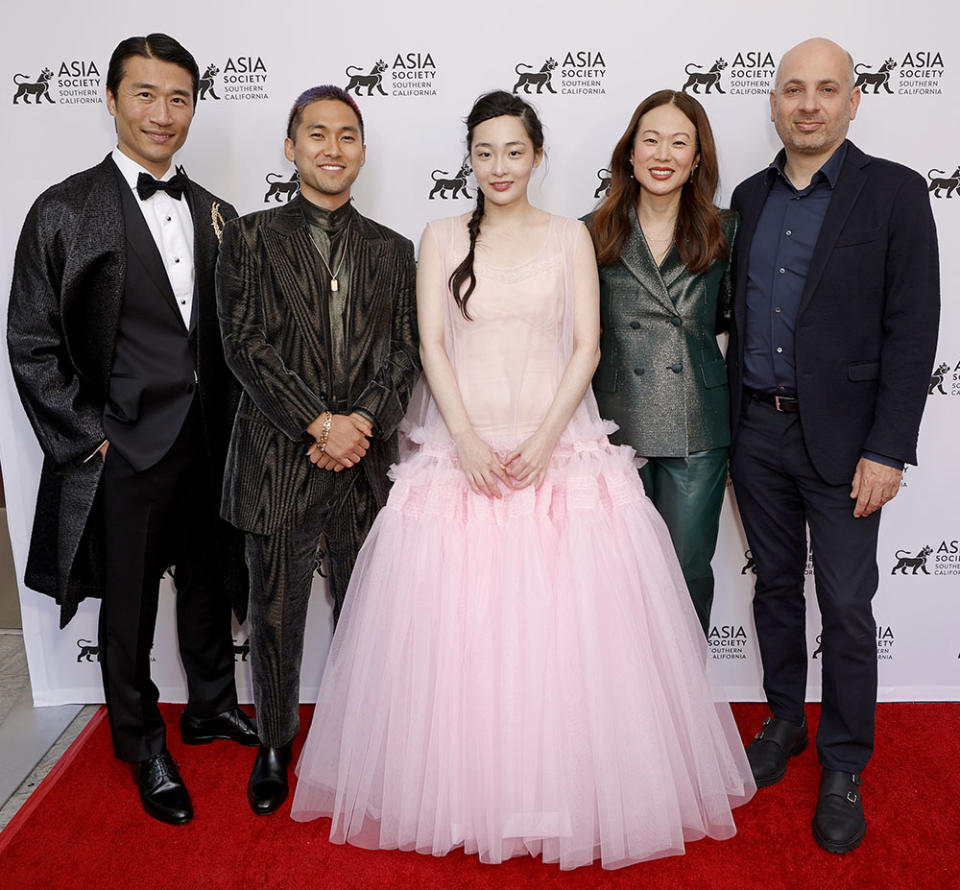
(664, 150)
(328, 151)
(153, 108)
(503, 157)
(814, 102)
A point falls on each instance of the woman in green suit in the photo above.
(663, 250)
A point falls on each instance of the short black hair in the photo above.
(153, 46)
(317, 94)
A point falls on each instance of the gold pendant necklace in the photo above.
(659, 247)
(334, 283)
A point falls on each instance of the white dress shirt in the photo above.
(171, 225)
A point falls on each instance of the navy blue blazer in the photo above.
(867, 327)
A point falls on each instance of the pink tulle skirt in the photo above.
(521, 676)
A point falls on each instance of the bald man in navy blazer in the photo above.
(835, 326)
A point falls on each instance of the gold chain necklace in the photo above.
(659, 247)
(334, 283)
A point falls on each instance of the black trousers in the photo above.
(163, 516)
(779, 492)
(281, 569)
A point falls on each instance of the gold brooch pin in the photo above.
(216, 218)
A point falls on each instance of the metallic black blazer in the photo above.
(68, 284)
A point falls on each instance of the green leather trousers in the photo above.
(688, 494)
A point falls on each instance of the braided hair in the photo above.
(488, 106)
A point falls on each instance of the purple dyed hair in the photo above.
(316, 94)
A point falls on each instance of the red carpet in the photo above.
(84, 828)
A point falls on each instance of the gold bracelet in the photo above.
(325, 432)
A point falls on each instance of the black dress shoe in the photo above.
(268, 788)
(162, 792)
(770, 749)
(235, 725)
(839, 825)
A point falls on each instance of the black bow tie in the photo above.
(147, 185)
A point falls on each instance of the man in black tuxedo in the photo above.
(318, 313)
(834, 332)
(115, 348)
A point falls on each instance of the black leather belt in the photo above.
(783, 404)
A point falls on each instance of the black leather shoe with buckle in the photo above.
(839, 825)
(162, 792)
(770, 749)
(235, 725)
(268, 788)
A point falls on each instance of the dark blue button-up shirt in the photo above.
(780, 255)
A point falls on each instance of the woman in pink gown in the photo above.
(518, 668)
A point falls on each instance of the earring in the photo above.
(694, 170)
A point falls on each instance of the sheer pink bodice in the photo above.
(509, 358)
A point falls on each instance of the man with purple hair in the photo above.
(318, 314)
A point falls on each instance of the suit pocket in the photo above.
(714, 373)
(864, 236)
(124, 397)
(859, 371)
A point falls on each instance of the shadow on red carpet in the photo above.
(84, 828)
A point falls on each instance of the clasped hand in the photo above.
(347, 441)
(526, 465)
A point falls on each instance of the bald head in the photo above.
(813, 102)
(820, 53)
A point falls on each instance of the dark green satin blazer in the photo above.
(661, 375)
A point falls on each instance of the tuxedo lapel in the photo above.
(638, 259)
(143, 248)
(851, 181)
(206, 239)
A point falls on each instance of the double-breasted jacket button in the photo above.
(675, 321)
(635, 325)
(638, 371)
(676, 367)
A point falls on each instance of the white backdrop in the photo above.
(437, 59)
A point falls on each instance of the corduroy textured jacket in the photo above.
(276, 338)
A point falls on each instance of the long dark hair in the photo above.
(699, 235)
(489, 105)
